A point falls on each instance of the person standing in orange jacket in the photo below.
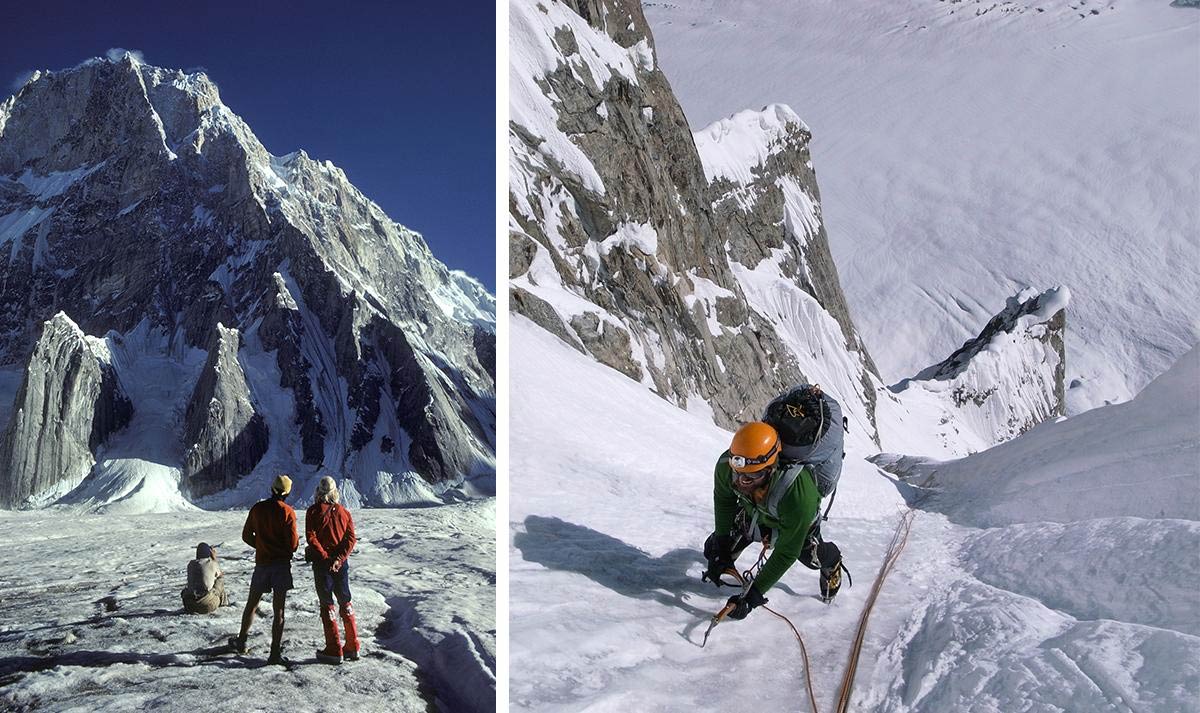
(271, 530)
(329, 530)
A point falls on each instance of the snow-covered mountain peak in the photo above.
(336, 339)
(733, 147)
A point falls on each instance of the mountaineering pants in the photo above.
(208, 603)
(331, 584)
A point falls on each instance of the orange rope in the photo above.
(891, 557)
(899, 540)
(812, 698)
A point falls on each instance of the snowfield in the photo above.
(611, 499)
(94, 619)
(967, 150)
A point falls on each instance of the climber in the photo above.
(205, 589)
(329, 530)
(758, 498)
(271, 530)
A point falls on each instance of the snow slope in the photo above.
(94, 623)
(968, 150)
(611, 502)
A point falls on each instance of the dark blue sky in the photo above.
(401, 95)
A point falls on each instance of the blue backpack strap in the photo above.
(782, 484)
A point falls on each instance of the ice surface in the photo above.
(96, 623)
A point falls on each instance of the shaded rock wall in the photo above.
(225, 435)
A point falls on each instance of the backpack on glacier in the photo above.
(810, 427)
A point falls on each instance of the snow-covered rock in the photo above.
(224, 433)
(764, 193)
(617, 248)
(995, 387)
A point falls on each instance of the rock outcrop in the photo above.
(1000, 384)
(764, 194)
(132, 198)
(225, 435)
(628, 244)
(69, 402)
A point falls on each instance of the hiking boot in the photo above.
(350, 654)
(238, 644)
(276, 658)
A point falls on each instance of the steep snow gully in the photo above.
(611, 502)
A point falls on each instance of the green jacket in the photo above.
(795, 511)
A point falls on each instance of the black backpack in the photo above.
(810, 427)
(800, 417)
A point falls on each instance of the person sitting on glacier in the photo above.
(757, 497)
(329, 531)
(205, 589)
(271, 530)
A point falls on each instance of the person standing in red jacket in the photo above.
(329, 530)
(271, 530)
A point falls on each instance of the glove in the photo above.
(717, 550)
(743, 604)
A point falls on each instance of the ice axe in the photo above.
(717, 619)
(729, 606)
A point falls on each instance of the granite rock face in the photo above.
(69, 402)
(131, 199)
(627, 244)
(225, 435)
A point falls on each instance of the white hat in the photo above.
(327, 491)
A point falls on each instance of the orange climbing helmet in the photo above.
(755, 447)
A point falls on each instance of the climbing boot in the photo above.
(832, 569)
